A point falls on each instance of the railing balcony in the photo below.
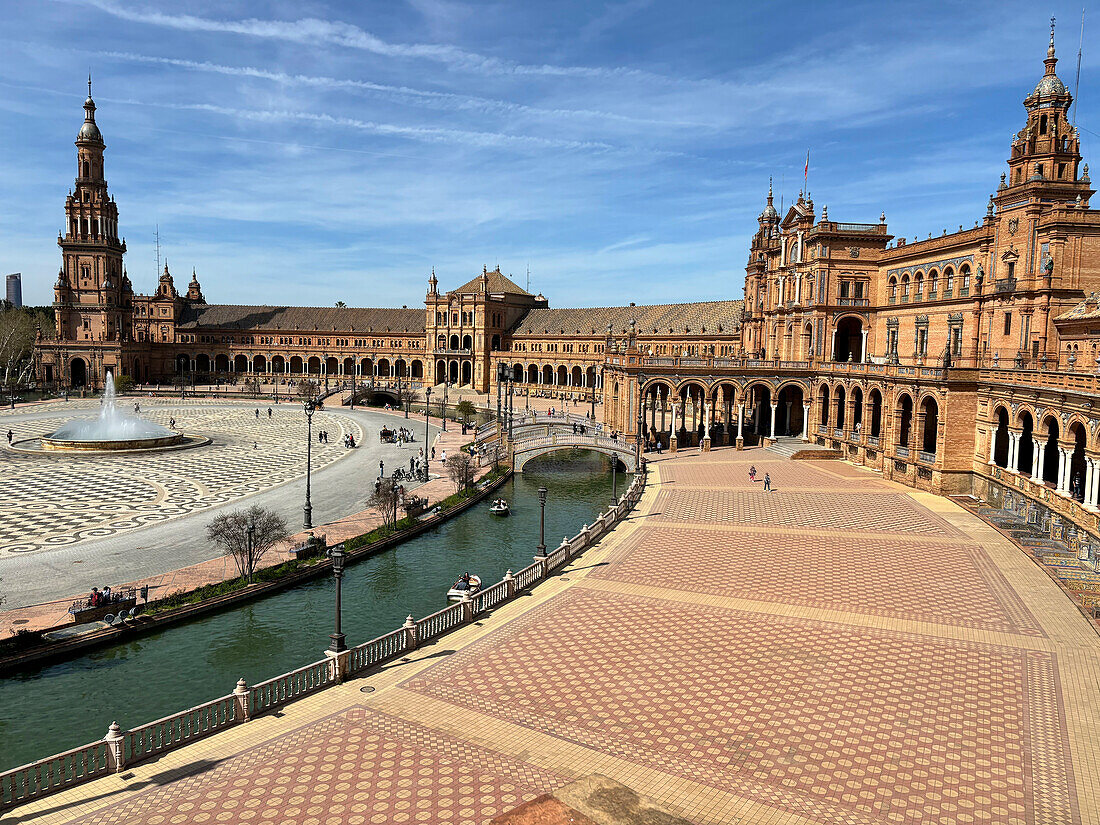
(858, 227)
(893, 299)
(931, 295)
(872, 441)
(465, 351)
(853, 302)
(1004, 285)
(927, 457)
(838, 433)
(902, 452)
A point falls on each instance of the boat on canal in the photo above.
(466, 583)
(499, 508)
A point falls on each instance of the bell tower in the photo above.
(1046, 152)
(91, 298)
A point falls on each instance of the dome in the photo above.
(1050, 86)
(769, 212)
(89, 131)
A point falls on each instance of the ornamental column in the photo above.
(1061, 485)
(1037, 463)
(1090, 467)
(805, 422)
(772, 428)
(672, 433)
(1013, 445)
(863, 347)
(704, 445)
(992, 445)
(740, 420)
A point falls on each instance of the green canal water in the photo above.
(64, 705)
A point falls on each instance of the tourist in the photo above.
(269, 412)
(752, 473)
(320, 436)
(10, 436)
(381, 469)
(767, 482)
(433, 453)
(444, 458)
(93, 597)
(412, 463)
(106, 594)
(257, 413)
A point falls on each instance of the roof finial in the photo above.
(769, 186)
(1050, 48)
(89, 82)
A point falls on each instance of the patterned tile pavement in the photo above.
(356, 767)
(698, 656)
(890, 513)
(811, 716)
(51, 500)
(932, 581)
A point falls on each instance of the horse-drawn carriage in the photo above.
(387, 436)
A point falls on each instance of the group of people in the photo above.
(258, 412)
(767, 479)
(99, 598)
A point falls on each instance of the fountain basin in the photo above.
(154, 443)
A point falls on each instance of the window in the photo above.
(844, 288)
(860, 289)
(1008, 323)
(933, 283)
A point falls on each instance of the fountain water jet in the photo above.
(112, 429)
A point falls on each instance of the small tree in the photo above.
(405, 395)
(340, 305)
(306, 389)
(460, 467)
(123, 384)
(252, 385)
(465, 408)
(231, 532)
(386, 498)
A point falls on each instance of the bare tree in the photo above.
(252, 385)
(386, 498)
(16, 343)
(247, 535)
(405, 395)
(460, 467)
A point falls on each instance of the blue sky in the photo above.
(307, 152)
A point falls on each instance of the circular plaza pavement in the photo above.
(70, 521)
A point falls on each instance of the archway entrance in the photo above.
(849, 340)
(1077, 464)
(1052, 456)
(790, 412)
(930, 411)
(1026, 450)
(78, 373)
(759, 411)
(1000, 439)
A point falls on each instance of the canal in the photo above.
(64, 705)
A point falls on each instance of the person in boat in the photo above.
(465, 578)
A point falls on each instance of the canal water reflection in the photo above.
(71, 703)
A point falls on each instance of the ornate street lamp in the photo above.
(310, 408)
(641, 418)
(542, 523)
(338, 645)
(443, 406)
(427, 409)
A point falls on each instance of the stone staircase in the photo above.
(793, 447)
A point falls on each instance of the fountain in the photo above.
(112, 429)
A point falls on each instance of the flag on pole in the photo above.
(806, 170)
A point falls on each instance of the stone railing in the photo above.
(121, 749)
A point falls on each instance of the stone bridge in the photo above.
(559, 439)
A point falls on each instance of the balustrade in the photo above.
(289, 686)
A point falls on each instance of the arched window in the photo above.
(1043, 125)
(919, 278)
(933, 283)
(893, 289)
(905, 287)
(964, 278)
(949, 277)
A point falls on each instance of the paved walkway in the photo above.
(54, 612)
(841, 650)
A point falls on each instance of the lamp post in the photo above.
(338, 645)
(614, 481)
(310, 407)
(641, 418)
(352, 402)
(542, 523)
(443, 407)
(427, 409)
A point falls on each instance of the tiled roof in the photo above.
(659, 319)
(1088, 308)
(304, 319)
(497, 284)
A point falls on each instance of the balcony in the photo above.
(453, 351)
(926, 457)
(853, 302)
(838, 434)
(1004, 285)
(872, 441)
(902, 452)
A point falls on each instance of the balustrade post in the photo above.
(412, 642)
(467, 607)
(243, 708)
(509, 584)
(116, 757)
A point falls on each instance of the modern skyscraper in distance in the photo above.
(14, 293)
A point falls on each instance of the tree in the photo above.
(386, 498)
(340, 305)
(465, 408)
(252, 385)
(405, 395)
(460, 467)
(306, 389)
(231, 532)
(123, 384)
(17, 334)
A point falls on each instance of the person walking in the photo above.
(752, 473)
(269, 412)
(257, 413)
(10, 436)
(433, 453)
(443, 459)
(381, 469)
(767, 483)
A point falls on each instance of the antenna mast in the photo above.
(528, 287)
(156, 234)
(1077, 82)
